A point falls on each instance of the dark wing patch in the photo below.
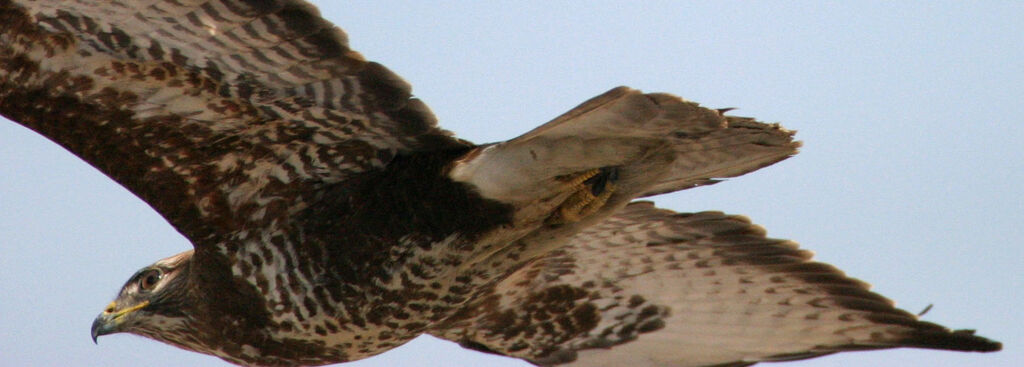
(700, 289)
(221, 114)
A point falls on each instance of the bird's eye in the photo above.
(149, 280)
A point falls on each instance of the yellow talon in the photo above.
(582, 201)
(598, 202)
(577, 180)
(570, 209)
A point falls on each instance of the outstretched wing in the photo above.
(221, 114)
(649, 287)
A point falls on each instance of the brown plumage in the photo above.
(333, 219)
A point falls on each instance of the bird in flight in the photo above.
(332, 219)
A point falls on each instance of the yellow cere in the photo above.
(127, 310)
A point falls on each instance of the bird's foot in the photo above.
(590, 191)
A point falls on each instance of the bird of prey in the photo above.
(332, 219)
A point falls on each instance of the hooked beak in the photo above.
(110, 320)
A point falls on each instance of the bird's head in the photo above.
(151, 302)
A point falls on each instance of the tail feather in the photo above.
(658, 142)
(744, 145)
(648, 287)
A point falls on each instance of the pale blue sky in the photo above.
(910, 177)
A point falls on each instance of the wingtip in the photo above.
(963, 340)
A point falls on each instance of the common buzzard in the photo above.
(332, 219)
